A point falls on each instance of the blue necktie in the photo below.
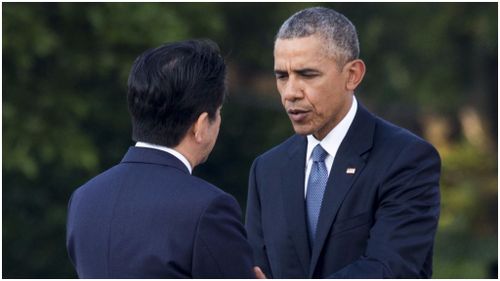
(315, 189)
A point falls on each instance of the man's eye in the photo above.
(281, 76)
(309, 75)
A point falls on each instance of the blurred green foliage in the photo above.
(65, 67)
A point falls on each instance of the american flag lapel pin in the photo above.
(350, 171)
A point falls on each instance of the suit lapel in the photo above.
(292, 175)
(347, 166)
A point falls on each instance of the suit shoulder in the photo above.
(102, 179)
(203, 186)
(204, 194)
(158, 179)
(391, 135)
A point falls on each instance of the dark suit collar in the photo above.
(360, 134)
(153, 156)
(352, 154)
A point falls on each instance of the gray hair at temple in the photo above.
(338, 32)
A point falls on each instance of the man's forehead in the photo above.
(315, 39)
(300, 58)
(297, 54)
(310, 45)
(296, 66)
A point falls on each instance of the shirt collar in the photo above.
(332, 141)
(172, 151)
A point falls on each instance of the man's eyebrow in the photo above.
(307, 71)
(279, 71)
(299, 71)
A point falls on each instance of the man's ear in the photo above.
(356, 71)
(200, 127)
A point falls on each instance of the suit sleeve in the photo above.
(220, 248)
(402, 237)
(254, 225)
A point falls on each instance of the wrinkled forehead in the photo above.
(302, 49)
(309, 47)
(293, 55)
(312, 43)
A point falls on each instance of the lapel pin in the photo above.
(350, 171)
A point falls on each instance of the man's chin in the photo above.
(302, 131)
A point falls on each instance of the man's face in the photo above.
(312, 87)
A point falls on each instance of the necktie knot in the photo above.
(319, 154)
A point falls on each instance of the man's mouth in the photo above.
(298, 115)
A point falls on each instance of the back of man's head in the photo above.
(338, 32)
(170, 86)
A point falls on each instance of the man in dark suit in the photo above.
(350, 195)
(148, 217)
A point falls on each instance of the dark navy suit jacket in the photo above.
(147, 217)
(378, 222)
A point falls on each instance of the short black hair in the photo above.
(171, 85)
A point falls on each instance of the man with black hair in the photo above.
(148, 217)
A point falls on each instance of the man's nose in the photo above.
(293, 90)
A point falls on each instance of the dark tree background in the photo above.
(432, 68)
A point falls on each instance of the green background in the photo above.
(431, 68)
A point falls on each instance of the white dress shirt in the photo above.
(172, 151)
(330, 143)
